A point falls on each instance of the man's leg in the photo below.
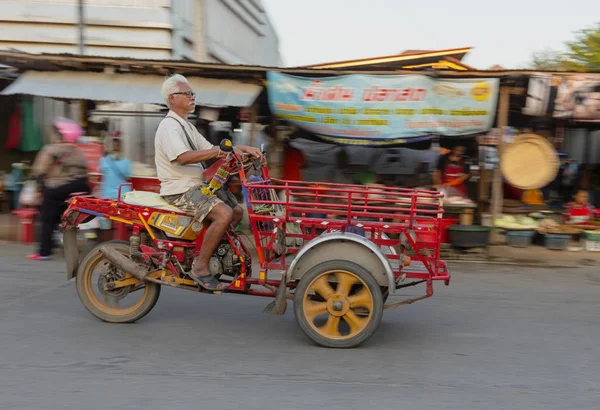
(229, 198)
(238, 214)
(220, 217)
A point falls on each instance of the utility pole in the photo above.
(81, 26)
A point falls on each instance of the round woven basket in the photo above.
(530, 162)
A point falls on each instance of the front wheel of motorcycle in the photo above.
(125, 304)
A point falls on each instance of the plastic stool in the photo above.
(26, 217)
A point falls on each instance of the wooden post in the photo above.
(275, 151)
(497, 191)
(253, 116)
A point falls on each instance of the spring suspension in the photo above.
(134, 244)
(145, 238)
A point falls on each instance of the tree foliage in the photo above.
(583, 54)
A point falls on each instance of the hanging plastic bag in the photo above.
(30, 196)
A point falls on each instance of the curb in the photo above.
(517, 263)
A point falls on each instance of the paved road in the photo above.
(497, 338)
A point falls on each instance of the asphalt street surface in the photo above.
(496, 338)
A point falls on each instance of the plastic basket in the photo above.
(444, 224)
(557, 242)
(592, 246)
(592, 236)
(519, 239)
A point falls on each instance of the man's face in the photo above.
(184, 99)
(116, 146)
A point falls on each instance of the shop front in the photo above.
(123, 100)
(391, 130)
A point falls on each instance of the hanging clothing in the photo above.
(13, 139)
(31, 138)
(293, 161)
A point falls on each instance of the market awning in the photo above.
(132, 88)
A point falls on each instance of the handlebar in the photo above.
(226, 146)
(235, 162)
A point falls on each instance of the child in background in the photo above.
(579, 212)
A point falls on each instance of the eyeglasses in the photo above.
(188, 94)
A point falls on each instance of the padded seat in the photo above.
(150, 200)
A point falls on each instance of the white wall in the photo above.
(238, 32)
(137, 29)
(229, 31)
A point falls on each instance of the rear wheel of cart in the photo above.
(338, 304)
(122, 305)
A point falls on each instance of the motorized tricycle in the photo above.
(337, 251)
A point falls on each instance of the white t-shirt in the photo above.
(169, 143)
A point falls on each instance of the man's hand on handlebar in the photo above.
(219, 153)
(252, 151)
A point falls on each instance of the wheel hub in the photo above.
(111, 274)
(338, 305)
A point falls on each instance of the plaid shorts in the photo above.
(194, 202)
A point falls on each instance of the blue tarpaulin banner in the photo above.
(368, 109)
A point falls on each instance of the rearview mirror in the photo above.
(226, 145)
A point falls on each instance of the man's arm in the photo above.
(196, 157)
(170, 140)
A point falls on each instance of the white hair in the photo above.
(170, 86)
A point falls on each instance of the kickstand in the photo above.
(279, 305)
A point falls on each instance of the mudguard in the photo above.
(344, 246)
(71, 251)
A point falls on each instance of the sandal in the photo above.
(208, 282)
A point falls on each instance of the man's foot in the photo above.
(208, 282)
(38, 257)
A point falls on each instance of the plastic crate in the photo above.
(519, 239)
(592, 236)
(557, 242)
(592, 246)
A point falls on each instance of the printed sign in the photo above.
(578, 98)
(363, 109)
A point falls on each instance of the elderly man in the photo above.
(179, 153)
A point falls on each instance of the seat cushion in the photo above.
(150, 200)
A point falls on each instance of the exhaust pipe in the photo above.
(138, 271)
(125, 264)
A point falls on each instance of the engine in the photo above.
(224, 261)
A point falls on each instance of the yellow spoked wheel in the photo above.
(338, 304)
(122, 305)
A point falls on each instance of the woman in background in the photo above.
(60, 169)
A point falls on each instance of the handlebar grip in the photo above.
(226, 145)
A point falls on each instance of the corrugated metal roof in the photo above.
(133, 88)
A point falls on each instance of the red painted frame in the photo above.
(381, 211)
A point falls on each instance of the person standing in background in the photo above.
(452, 170)
(61, 170)
(116, 170)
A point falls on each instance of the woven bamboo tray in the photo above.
(530, 162)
